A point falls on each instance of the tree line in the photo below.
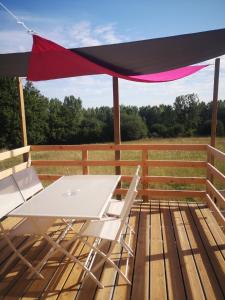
(51, 121)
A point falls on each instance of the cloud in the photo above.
(14, 41)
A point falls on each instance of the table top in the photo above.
(76, 196)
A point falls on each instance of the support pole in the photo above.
(116, 112)
(214, 114)
(22, 116)
(215, 102)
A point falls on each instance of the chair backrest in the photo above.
(28, 182)
(128, 198)
(10, 196)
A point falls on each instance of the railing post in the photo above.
(85, 158)
(116, 114)
(215, 102)
(214, 112)
(144, 172)
(209, 176)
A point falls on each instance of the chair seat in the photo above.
(27, 226)
(104, 229)
(115, 207)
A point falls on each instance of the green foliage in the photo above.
(10, 135)
(132, 127)
(56, 122)
(37, 114)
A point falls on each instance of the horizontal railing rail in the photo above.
(11, 154)
(109, 147)
(14, 153)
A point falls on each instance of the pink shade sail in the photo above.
(49, 60)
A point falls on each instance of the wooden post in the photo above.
(116, 112)
(85, 158)
(214, 111)
(117, 134)
(22, 117)
(144, 172)
(215, 102)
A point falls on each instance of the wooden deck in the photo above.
(179, 254)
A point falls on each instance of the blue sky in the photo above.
(77, 23)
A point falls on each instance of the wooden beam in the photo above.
(161, 194)
(216, 212)
(125, 163)
(116, 113)
(14, 153)
(22, 113)
(216, 173)
(211, 189)
(216, 153)
(22, 117)
(215, 102)
(110, 147)
(14, 169)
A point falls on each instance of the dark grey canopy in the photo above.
(140, 57)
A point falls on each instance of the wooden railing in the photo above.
(14, 154)
(213, 196)
(144, 162)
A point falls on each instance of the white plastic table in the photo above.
(78, 196)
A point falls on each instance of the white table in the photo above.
(78, 196)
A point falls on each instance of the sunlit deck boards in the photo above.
(180, 253)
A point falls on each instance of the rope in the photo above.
(18, 21)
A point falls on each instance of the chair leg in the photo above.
(15, 254)
(74, 259)
(127, 247)
(41, 264)
(24, 260)
(105, 259)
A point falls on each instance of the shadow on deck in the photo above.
(179, 254)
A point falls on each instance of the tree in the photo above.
(10, 133)
(72, 117)
(187, 112)
(37, 113)
(56, 122)
(132, 127)
(105, 115)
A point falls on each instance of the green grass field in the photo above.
(134, 155)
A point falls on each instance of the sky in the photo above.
(79, 23)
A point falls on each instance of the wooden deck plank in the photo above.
(23, 286)
(121, 290)
(55, 271)
(206, 273)
(89, 287)
(191, 279)
(72, 283)
(210, 244)
(158, 284)
(216, 231)
(179, 255)
(60, 286)
(175, 283)
(108, 276)
(140, 287)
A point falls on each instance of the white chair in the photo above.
(10, 198)
(109, 229)
(115, 206)
(28, 182)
